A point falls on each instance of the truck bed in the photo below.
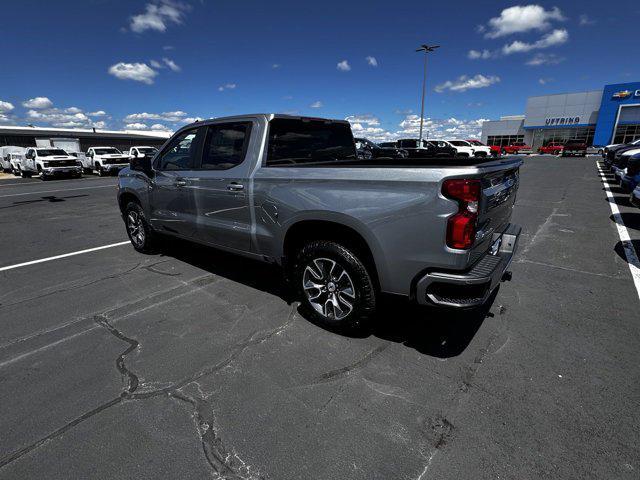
(434, 162)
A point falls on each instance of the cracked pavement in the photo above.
(196, 364)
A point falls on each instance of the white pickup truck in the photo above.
(104, 160)
(49, 162)
(141, 152)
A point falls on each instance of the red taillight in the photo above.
(461, 227)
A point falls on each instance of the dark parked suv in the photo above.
(429, 149)
(574, 147)
(367, 149)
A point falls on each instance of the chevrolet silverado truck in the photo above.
(516, 148)
(292, 191)
(494, 150)
(574, 148)
(104, 160)
(142, 151)
(553, 148)
(49, 162)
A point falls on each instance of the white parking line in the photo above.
(54, 191)
(36, 180)
(623, 233)
(64, 255)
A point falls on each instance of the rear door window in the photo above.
(299, 142)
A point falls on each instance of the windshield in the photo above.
(459, 143)
(106, 151)
(50, 152)
(147, 150)
(477, 143)
(294, 142)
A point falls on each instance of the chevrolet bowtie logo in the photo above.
(622, 94)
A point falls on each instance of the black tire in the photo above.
(144, 243)
(503, 151)
(363, 300)
(16, 172)
(99, 170)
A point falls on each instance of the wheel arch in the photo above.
(345, 233)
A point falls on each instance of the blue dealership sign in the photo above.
(614, 98)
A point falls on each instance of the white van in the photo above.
(9, 153)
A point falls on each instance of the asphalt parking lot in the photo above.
(196, 364)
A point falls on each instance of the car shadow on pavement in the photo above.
(620, 200)
(436, 332)
(629, 219)
(50, 199)
(620, 250)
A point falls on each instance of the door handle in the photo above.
(180, 183)
(236, 187)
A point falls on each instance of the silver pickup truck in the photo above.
(291, 190)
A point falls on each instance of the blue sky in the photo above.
(161, 63)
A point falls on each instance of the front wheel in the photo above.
(141, 236)
(334, 285)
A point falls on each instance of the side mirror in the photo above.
(142, 164)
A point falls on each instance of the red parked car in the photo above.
(495, 149)
(515, 148)
(554, 148)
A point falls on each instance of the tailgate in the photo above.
(499, 190)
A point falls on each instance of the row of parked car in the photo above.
(48, 162)
(623, 160)
(414, 148)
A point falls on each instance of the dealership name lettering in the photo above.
(562, 121)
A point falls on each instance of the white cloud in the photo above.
(155, 64)
(367, 119)
(276, 66)
(343, 66)
(38, 103)
(99, 113)
(557, 37)
(544, 59)
(409, 127)
(136, 126)
(464, 83)
(584, 20)
(167, 48)
(158, 127)
(227, 86)
(6, 106)
(176, 116)
(101, 124)
(139, 72)
(476, 54)
(61, 118)
(5, 118)
(158, 15)
(171, 64)
(372, 61)
(191, 120)
(316, 104)
(544, 81)
(522, 18)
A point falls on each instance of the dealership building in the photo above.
(598, 117)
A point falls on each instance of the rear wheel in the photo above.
(334, 285)
(141, 236)
(99, 170)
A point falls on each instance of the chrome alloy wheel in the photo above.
(135, 228)
(329, 288)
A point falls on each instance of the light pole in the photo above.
(426, 49)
